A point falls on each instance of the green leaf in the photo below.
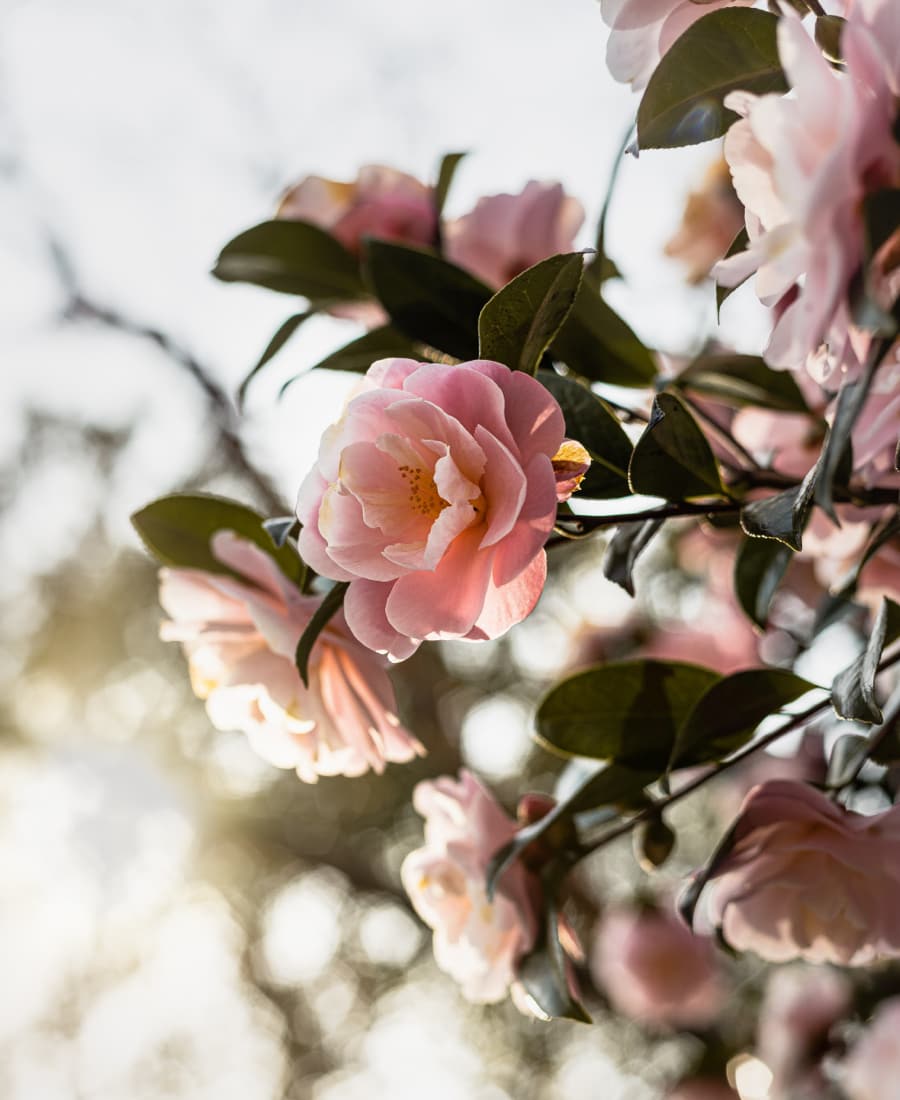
(829, 29)
(521, 320)
(850, 404)
(357, 356)
(177, 530)
(743, 380)
(428, 299)
(735, 49)
(740, 244)
(596, 343)
(782, 516)
(326, 611)
(853, 690)
(591, 421)
(280, 528)
(293, 257)
(847, 758)
(881, 220)
(759, 566)
(627, 712)
(673, 459)
(542, 973)
(725, 717)
(614, 785)
(446, 172)
(274, 346)
(624, 548)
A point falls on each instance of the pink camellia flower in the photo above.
(433, 496)
(802, 165)
(712, 218)
(805, 878)
(641, 31)
(240, 637)
(655, 970)
(872, 1068)
(476, 941)
(800, 1006)
(381, 202)
(505, 234)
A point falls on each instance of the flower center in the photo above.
(424, 498)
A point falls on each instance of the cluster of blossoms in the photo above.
(434, 495)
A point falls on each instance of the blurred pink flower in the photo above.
(805, 878)
(789, 442)
(802, 164)
(641, 31)
(240, 637)
(712, 218)
(871, 1070)
(505, 234)
(800, 1006)
(718, 635)
(433, 496)
(476, 941)
(381, 202)
(655, 970)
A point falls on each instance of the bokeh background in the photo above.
(178, 919)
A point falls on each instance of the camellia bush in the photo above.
(508, 422)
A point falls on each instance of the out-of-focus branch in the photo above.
(79, 307)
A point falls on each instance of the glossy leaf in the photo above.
(281, 337)
(596, 343)
(783, 516)
(627, 712)
(726, 716)
(850, 404)
(828, 31)
(357, 356)
(740, 244)
(280, 529)
(522, 319)
(591, 421)
(743, 380)
(428, 299)
(760, 565)
(325, 612)
(293, 257)
(449, 163)
(624, 549)
(177, 530)
(673, 459)
(725, 51)
(853, 690)
(542, 974)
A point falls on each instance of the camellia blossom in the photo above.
(805, 878)
(655, 970)
(801, 166)
(381, 202)
(505, 234)
(872, 1068)
(476, 941)
(240, 637)
(433, 496)
(641, 31)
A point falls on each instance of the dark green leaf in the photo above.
(292, 257)
(624, 548)
(596, 427)
(849, 406)
(881, 221)
(177, 530)
(521, 320)
(846, 760)
(542, 974)
(673, 459)
(782, 516)
(357, 356)
(759, 567)
(853, 690)
(614, 785)
(446, 172)
(725, 51)
(596, 343)
(829, 29)
(726, 716)
(326, 611)
(280, 528)
(743, 380)
(429, 299)
(281, 337)
(627, 712)
(740, 244)
(690, 895)
(887, 749)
